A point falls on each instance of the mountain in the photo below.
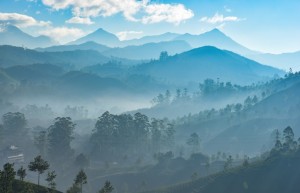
(148, 51)
(11, 35)
(215, 38)
(99, 36)
(85, 46)
(151, 39)
(282, 61)
(12, 56)
(207, 62)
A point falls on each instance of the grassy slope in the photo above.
(19, 187)
(275, 175)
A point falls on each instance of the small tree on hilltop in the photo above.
(51, 180)
(108, 188)
(38, 165)
(21, 173)
(81, 179)
(7, 176)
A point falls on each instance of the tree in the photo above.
(51, 180)
(163, 56)
(59, 139)
(7, 177)
(38, 165)
(194, 141)
(74, 189)
(81, 179)
(108, 188)
(228, 163)
(21, 173)
(289, 142)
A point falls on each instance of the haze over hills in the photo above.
(85, 46)
(151, 39)
(208, 62)
(11, 35)
(149, 50)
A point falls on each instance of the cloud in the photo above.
(80, 20)
(167, 12)
(148, 12)
(227, 9)
(62, 34)
(219, 18)
(21, 20)
(126, 35)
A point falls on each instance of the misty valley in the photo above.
(168, 113)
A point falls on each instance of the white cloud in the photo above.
(126, 35)
(219, 18)
(149, 12)
(21, 20)
(80, 20)
(62, 34)
(167, 12)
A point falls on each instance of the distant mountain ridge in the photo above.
(11, 35)
(208, 62)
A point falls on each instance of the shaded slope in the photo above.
(208, 62)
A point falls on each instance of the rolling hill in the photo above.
(207, 62)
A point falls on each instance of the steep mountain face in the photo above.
(100, 36)
(151, 39)
(207, 62)
(214, 38)
(85, 46)
(11, 35)
(148, 51)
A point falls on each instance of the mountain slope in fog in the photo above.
(275, 174)
(85, 46)
(148, 51)
(208, 62)
(11, 35)
(151, 39)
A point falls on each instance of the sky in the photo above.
(271, 26)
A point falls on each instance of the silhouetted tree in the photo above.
(21, 173)
(107, 188)
(194, 141)
(38, 165)
(51, 180)
(81, 179)
(7, 177)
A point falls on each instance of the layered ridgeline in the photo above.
(11, 35)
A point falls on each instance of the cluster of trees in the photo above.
(39, 165)
(209, 88)
(119, 135)
(286, 142)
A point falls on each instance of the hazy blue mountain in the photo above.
(35, 72)
(215, 38)
(148, 51)
(83, 83)
(99, 36)
(84, 46)
(208, 62)
(283, 61)
(11, 56)
(11, 35)
(151, 39)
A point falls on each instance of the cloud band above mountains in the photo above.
(133, 10)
